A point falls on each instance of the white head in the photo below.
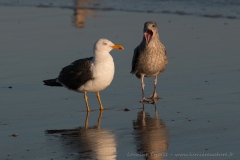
(104, 45)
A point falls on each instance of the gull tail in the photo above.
(52, 82)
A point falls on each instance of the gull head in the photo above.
(105, 45)
(150, 30)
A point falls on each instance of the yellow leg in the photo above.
(86, 101)
(99, 100)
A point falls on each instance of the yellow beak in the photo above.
(117, 46)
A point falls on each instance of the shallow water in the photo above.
(198, 112)
(207, 8)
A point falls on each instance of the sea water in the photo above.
(206, 8)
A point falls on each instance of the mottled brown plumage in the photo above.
(150, 57)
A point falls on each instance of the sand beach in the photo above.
(197, 116)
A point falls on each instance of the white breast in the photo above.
(103, 72)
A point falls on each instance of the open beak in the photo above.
(117, 46)
(148, 35)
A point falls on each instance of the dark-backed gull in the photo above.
(91, 74)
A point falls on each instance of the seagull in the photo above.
(149, 58)
(91, 74)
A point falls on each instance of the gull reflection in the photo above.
(80, 13)
(89, 142)
(151, 136)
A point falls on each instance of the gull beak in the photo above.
(117, 46)
(148, 33)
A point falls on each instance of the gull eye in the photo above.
(105, 43)
(153, 26)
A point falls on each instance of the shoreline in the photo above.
(211, 9)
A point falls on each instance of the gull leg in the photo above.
(86, 101)
(143, 100)
(154, 95)
(143, 85)
(99, 100)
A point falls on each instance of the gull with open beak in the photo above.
(150, 58)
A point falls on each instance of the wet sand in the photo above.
(197, 117)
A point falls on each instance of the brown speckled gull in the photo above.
(150, 58)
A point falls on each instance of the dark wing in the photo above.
(135, 60)
(76, 74)
(52, 82)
